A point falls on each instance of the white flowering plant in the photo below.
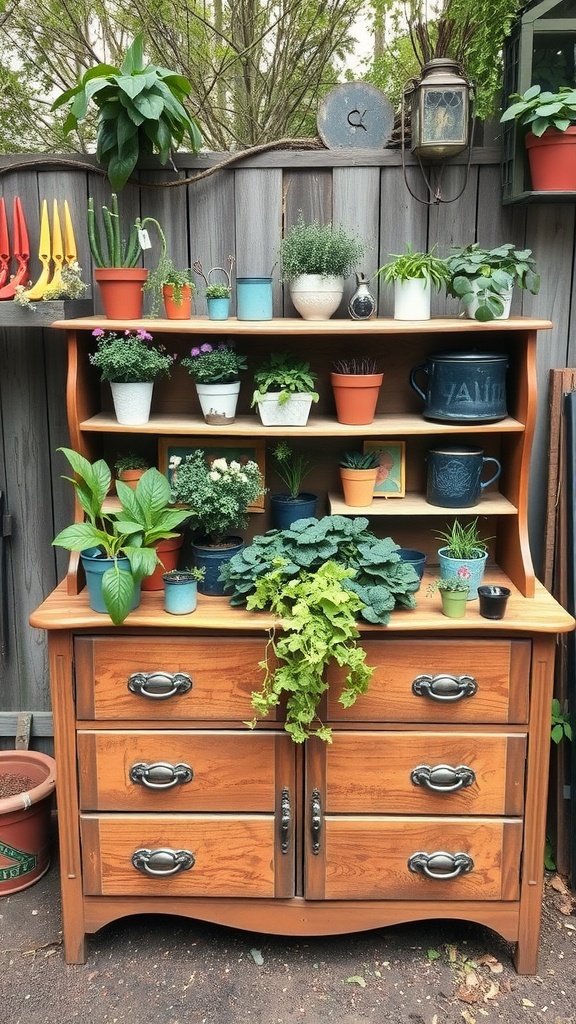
(217, 492)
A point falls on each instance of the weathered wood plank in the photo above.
(212, 230)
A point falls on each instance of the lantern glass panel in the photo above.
(444, 116)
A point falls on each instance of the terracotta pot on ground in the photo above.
(168, 553)
(121, 291)
(29, 777)
(358, 486)
(175, 310)
(552, 159)
(356, 396)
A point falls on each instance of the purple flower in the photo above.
(206, 347)
(98, 333)
(143, 335)
(194, 351)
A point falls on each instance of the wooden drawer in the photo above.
(231, 771)
(233, 855)
(223, 673)
(452, 680)
(367, 858)
(372, 773)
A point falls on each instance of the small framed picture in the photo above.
(391, 478)
(168, 447)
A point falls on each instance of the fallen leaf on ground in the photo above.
(257, 957)
(468, 1017)
(356, 979)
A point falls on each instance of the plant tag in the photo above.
(144, 239)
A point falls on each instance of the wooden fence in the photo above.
(239, 209)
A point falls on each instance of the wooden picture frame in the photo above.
(391, 479)
(215, 449)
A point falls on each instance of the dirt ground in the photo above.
(166, 970)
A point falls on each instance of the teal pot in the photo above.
(95, 566)
(218, 309)
(180, 593)
(417, 559)
(211, 560)
(287, 510)
(254, 298)
(449, 567)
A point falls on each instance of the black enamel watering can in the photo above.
(463, 387)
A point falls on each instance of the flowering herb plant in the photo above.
(459, 583)
(219, 365)
(217, 492)
(128, 358)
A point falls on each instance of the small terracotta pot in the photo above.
(175, 310)
(168, 553)
(356, 396)
(358, 486)
(130, 477)
(121, 291)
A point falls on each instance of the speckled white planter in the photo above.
(132, 402)
(293, 413)
(316, 297)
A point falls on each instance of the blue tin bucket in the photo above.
(254, 298)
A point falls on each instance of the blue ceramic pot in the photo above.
(95, 566)
(218, 309)
(211, 559)
(287, 510)
(449, 567)
(180, 593)
(254, 298)
(417, 559)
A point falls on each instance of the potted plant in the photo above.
(216, 372)
(463, 546)
(454, 592)
(356, 385)
(118, 548)
(130, 467)
(181, 589)
(118, 277)
(177, 290)
(140, 111)
(316, 258)
(413, 275)
(292, 467)
(358, 471)
(550, 122)
(305, 574)
(217, 493)
(284, 390)
(27, 783)
(483, 279)
(131, 365)
(217, 295)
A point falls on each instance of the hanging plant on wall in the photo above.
(141, 111)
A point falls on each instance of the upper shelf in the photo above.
(291, 326)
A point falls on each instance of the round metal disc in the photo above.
(355, 115)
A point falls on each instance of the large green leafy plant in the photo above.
(488, 275)
(141, 111)
(144, 518)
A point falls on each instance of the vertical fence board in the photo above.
(212, 229)
(356, 204)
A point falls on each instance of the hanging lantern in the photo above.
(440, 110)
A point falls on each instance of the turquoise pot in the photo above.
(95, 567)
(449, 567)
(211, 559)
(218, 309)
(180, 593)
(254, 298)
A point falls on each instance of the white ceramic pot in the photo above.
(316, 297)
(132, 402)
(293, 413)
(412, 299)
(506, 299)
(218, 401)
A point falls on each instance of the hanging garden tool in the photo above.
(4, 246)
(21, 251)
(57, 248)
(70, 254)
(37, 290)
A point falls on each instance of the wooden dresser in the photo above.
(431, 800)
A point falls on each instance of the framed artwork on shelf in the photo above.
(170, 448)
(391, 477)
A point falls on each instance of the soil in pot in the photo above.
(27, 782)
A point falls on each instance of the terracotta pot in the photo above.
(130, 477)
(358, 486)
(356, 396)
(168, 553)
(175, 310)
(121, 291)
(25, 819)
(552, 159)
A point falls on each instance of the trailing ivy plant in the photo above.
(318, 625)
(381, 579)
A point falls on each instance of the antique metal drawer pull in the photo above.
(441, 866)
(159, 685)
(285, 821)
(316, 821)
(442, 778)
(163, 862)
(444, 688)
(160, 774)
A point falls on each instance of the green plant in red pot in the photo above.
(549, 120)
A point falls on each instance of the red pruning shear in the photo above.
(21, 249)
(4, 245)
